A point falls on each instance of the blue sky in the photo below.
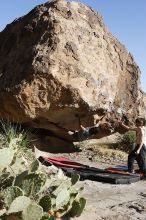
(126, 19)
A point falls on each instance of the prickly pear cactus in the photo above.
(66, 184)
(19, 204)
(34, 166)
(6, 157)
(32, 183)
(62, 198)
(10, 193)
(77, 207)
(6, 180)
(32, 212)
(74, 179)
(28, 190)
(45, 203)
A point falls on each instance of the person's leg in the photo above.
(79, 136)
(144, 159)
(75, 136)
(141, 160)
(131, 158)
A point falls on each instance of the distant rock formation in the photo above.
(60, 60)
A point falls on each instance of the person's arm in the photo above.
(99, 120)
(141, 137)
(127, 127)
(82, 128)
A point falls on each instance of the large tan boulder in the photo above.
(60, 60)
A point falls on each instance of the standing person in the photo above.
(139, 152)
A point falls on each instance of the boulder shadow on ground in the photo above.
(52, 144)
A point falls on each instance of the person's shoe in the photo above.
(144, 177)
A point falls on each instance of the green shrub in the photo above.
(128, 138)
(126, 141)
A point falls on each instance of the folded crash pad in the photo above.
(61, 162)
(106, 177)
(123, 170)
(91, 173)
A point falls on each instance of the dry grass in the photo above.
(111, 153)
(108, 150)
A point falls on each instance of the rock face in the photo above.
(60, 60)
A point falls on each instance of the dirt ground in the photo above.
(114, 202)
(108, 201)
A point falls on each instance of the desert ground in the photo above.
(109, 201)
